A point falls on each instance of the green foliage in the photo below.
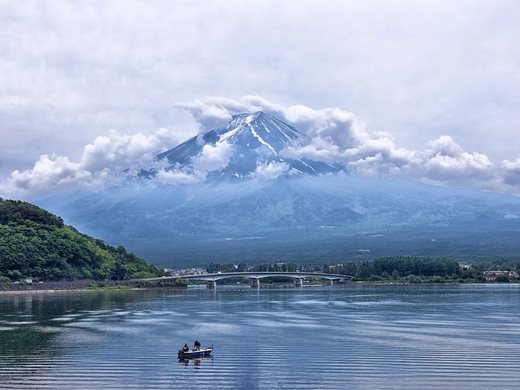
(35, 243)
(16, 212)
(502, 279)
(277, 267)
(398, 267)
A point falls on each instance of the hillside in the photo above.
(35, 243)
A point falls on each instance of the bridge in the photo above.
(254, 277)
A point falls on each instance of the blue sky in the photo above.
(433, 87)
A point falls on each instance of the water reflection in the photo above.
(195, 363)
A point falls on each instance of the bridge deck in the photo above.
(251, 275)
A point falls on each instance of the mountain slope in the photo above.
(308, 218)
(313, 212)
(36, 243)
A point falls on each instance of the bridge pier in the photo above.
(298, 282)
(255, 283)
(212, 284)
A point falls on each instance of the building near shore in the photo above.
(492, 276)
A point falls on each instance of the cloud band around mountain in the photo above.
(335, 134)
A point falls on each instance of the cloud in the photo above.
(111, 159)
(339, 126)
(213, 157)
(511, 172)
(102, 162)
(445, 161)
(338, 135)
(271, 170)
(207, 115)
(334, 135)
(50, 173)
(117, 151)
(177, 176)
(416, 69)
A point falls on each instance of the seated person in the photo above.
(196, 345)
(185, 348)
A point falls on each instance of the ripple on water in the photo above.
(404, 338)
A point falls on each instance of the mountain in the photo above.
(36, 243)
(326, 219)
(316, 212)
(255, 139)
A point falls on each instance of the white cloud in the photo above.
(334, 135)
(446, 161)
(271, 170)
(213, 157)
(444, 146)
(101, 163)
(511, 172)
(176, 176)
(118, 151)
(70, 70)
(338, 135)
(110, 159)
(50, 174)
(208, 115)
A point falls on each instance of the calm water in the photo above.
(314, 337)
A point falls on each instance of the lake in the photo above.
(356, 337)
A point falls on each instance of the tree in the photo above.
(502, 279)
(36, 243)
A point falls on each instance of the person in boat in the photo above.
(185, 348)
(196, 345)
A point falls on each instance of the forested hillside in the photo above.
(35, 243)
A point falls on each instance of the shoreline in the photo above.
(181, 288)
(84, 290)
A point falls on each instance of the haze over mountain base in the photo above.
(326, 219)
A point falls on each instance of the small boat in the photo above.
(195, 353)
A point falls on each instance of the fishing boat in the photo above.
(195, 353)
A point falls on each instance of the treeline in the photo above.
(411, 269)
(501, 264)
(241, 267)
(16, 212)
(37, 244)
(396, 267)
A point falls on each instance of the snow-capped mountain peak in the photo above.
(252, 141)
(256, 130)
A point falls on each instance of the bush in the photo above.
(438, 279)
(414, 279)
(502, 279)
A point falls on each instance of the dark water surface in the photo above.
(380, 337)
